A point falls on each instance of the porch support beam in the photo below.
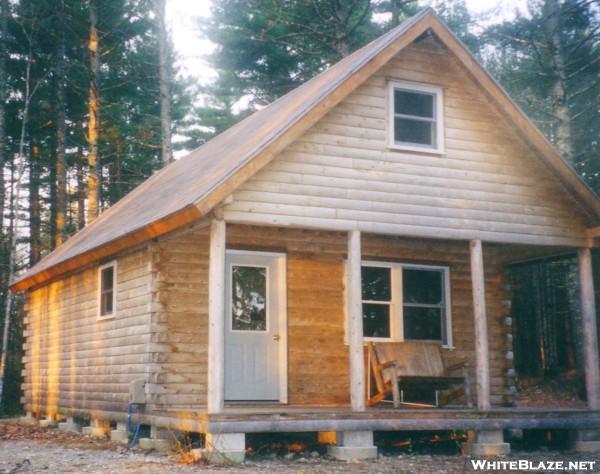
(355, 323)
(481, 331)
(590, 332)
(216, 317)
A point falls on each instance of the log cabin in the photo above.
(233, 292)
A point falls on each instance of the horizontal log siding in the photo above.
(180, 320)
(341, 175)
(74, 361)
(317, 356)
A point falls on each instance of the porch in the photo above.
(332, 426)
(488, 346)
(259, 418)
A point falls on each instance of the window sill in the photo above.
(416, 149)
(106, 317)
(366, 340)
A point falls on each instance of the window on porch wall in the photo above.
(405, 302)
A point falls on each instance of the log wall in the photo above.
(317, 355)
(72, 359)
(160, 331)
(341, 174)
(180, 321)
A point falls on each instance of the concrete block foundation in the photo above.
(120, 433)
(226, 448)
(353, 446)
(160, 440)
(48, 422)
(70, 424)
(29, 418)
(488, 443)
(98, 428)
(585, 441)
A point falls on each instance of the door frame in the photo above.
(281, 308)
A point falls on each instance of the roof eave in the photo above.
(158, 228)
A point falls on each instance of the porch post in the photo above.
(481, 332)
(590, 334)
(354, 445)
(216, 316)
(355, 323)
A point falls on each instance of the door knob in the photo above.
(276, 337)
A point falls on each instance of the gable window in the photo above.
(403, 302)
(416, 118)
(107, 290)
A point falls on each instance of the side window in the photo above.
(377, 301)
(416, 117)
(404, 302)
(424, 304)
(107, 290)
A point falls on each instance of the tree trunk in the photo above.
(35, 241)
(93, 125)
(80, 194)
(4, 14)
(560, 102)
(165, 83)
(115, 175)
(60, 165)
(15, 199)
(396, 10)
(341, 31)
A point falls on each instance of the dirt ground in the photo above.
(558, 392)
(30, 449)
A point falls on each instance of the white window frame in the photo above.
(438, 94)
(397, 302)
(100, 316)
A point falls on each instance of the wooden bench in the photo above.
(396, 366)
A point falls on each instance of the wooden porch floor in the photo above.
(253, 418)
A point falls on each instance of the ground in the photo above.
(563, 391)
(28, 449)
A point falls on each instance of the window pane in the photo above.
(423, 323)
(376, 284)
(107, 278)
(423, 286)
(413, 131)
(413, 103)
(107, 284)
(248, 298)
(106, 303)
(376, 320)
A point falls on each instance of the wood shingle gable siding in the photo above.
(341, 174)
(190, 188)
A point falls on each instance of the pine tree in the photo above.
(550, 63)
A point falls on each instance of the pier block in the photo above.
(120, 433)
(489, 443)
(353, 446)
(98, 428)
(226, 448)
(585, 441)
(160, 440)
(70, 424)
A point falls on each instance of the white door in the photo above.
(254, 323)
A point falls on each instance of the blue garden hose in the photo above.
(135, 432)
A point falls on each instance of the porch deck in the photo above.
(256, 418)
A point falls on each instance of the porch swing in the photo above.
(400, 366)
